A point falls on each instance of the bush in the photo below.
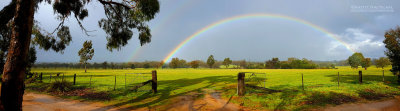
(60, 86)
(321, 98)
(370, 94)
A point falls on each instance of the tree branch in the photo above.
(7, 13)
(83, 28)
(59, 25)
(114, 3)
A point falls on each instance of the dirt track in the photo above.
(210, 102)
(191, 102)
(386, 105)
(41, 102)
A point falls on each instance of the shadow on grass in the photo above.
(287, 96)
(167, 88)
(366, 79)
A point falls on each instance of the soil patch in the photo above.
(386, 105)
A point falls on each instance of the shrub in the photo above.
(370, 94)
(321, 98)
(61, 86)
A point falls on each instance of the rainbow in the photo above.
(248, 16)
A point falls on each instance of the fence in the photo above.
(127, 81)
(251, 79)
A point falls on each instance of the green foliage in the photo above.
(177, 63)
(194, 64)
(355, 60)
(326, 65)
(243, 64)
(121, 19)
(133, 66)
(382, 62)
(273, 64)
(210, 61)
(31, 58)
(371, 94)
(146, 65)
(392, 44)
(366, 63)
(174, 63)
(294, 63)
(59, 86)
(86, 53)
(255, 65)
(104, 64)
(227, 62)
(47, 41)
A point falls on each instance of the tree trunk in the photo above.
(85, 67)
(12, 88)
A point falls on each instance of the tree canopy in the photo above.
(227, 62)
(392, 44)
(86, 53)
(210, 61)
(365, 63)
(355, 60)
(17, 26)
(382, 62)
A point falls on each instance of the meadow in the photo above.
(283, 86)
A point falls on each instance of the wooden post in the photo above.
(41, 76)
(74, 78)
(241, 84)
(90, 82)
(115, 82)
(383, 75)
(338, 79)
(154, 81)
(360, 77)
(302, 81)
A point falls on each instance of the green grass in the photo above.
(321, 86)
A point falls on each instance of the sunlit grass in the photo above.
(177, 82)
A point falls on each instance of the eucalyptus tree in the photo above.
(392, 44)
(18, 16)
(86, 53)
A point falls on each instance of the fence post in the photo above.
(383, 75)
(115, 82)
(302, 81)
(241, 85)
(74, 78)
(50, 78)
(338, 79)
(360, 77)
(41, 76)
(90, 82)
(154, 81)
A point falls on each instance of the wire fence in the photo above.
(311, 81)
(102, 82)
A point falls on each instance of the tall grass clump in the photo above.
(60, 86)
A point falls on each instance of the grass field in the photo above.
(285, 86)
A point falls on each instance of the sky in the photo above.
(359, 24)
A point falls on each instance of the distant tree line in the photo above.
(274, 63)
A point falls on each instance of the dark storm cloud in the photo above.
(359, 23)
